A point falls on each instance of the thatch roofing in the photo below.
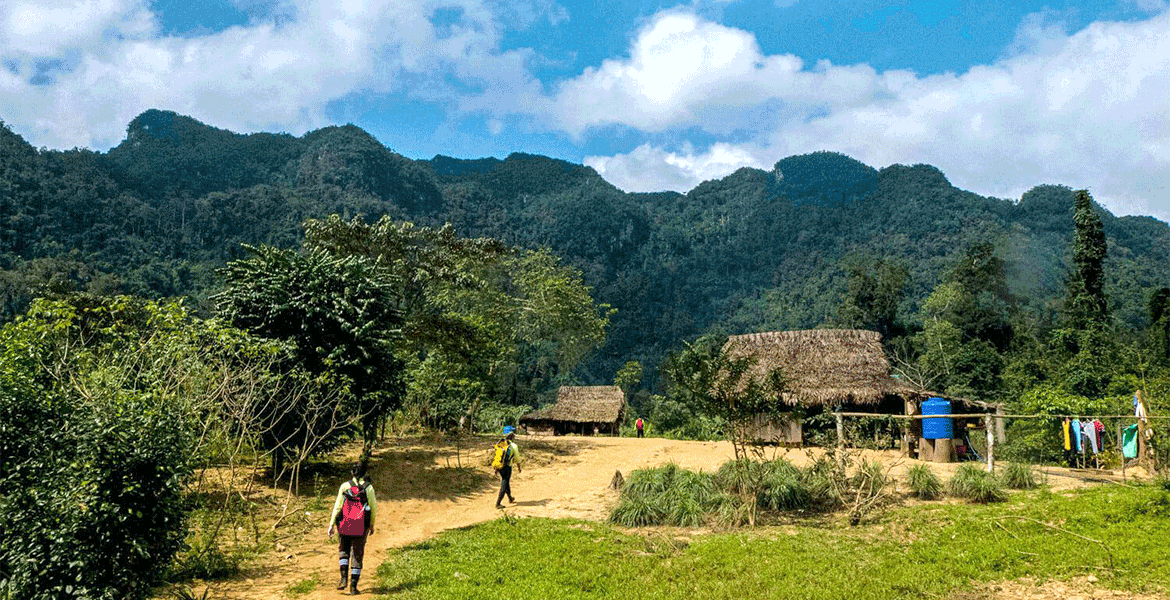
(823, 366)
(583, 404)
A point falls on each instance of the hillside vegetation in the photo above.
(756, 250)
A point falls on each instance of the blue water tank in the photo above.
(934, 429)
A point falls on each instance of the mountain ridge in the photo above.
(754, 250)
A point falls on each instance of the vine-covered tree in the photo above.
(341, 313)
(1086, 306)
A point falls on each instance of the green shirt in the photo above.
(370, 498)
(514, 452)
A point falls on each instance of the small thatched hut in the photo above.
(825, 369)
(584, 410)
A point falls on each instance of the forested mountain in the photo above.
(756, 250)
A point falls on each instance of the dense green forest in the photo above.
(757, 250)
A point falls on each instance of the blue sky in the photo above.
(655, 95)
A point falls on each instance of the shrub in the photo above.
(825, 481)
(667, 495)
(973, 483)
(924, 483)
(98, 513)
(1019, 476)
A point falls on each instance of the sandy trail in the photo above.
(421, 492)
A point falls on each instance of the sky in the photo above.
(653, 94)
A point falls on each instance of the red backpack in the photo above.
(355, 511)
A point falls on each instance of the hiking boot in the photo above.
(498, 505)
(344, 578)
(511, 500)
(353, 591)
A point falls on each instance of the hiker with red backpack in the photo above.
(506, 455)
(353, 518)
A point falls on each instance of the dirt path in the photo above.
(422, 492)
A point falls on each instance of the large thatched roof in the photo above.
(823, 366)
(583, 404)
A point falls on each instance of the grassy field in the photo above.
(931, 550)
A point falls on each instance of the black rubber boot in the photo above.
(353, 581)
(344, 577)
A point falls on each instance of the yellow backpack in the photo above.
(500, 459)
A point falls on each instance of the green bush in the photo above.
(924, 483)
(1019, 476)
(92, 464)
(97, 512)
(972, 483)
(667, 495)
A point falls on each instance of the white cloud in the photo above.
(1088, 109)
(650, 169)
(78, 81)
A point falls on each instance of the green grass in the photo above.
(302, 587)
(924, 483)
(1019, 476)
(971, 482)
(922, 552)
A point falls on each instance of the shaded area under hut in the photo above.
(582, 410)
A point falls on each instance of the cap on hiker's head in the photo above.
(509, 429)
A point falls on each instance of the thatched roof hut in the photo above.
(580, 409)
(824, 367)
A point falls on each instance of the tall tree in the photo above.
(1159, 309)
(1086, 306)
(871, 301)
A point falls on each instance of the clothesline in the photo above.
(997, 416)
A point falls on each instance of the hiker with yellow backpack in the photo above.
(506, 455)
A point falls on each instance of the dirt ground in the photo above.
(421, 492)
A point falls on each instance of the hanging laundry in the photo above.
(1139, 411)
(1075, 429)
(1100, 427)
(1090, 436)
(1129, 445)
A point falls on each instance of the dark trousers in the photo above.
(639, 432)
(351, 549)
(505, 484)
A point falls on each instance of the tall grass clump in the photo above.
(924, 483)
(666, 495)
(784, 487)
(971, 482)
(825, 479)
(776, 485)
(1019, 476)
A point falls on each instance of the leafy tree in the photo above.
(481, 319)
(1086, 306)
(340, 313)
(1085, 343)
(967, 327)
(1159, 311)
(875, 289)
(722, 387)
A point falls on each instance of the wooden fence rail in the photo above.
(990, 420)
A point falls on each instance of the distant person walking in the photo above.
(353, 518)
(506, 455)
(639, 424)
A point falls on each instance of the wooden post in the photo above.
(1121, 450)
(1141, 432)
(990, 429)
(944, 450)
(840, 431)
(1000, 426)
